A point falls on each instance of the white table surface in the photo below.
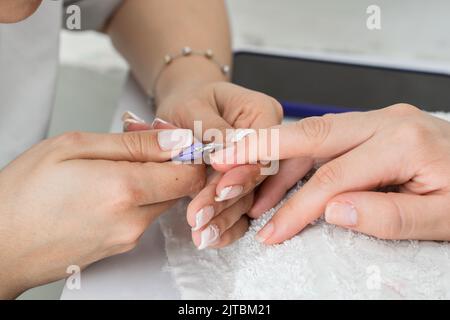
(141, 273)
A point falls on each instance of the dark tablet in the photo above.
(311, 87)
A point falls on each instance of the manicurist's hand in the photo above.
(81, 197)
(219, 217)
(218, 214)
(397, 146)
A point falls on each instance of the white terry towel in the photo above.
(322, 262)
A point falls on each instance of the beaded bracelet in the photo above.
(186, 52)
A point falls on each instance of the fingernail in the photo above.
(202, 217)
(239, 134)
(223, 156)
(131, 118)
(229, 193)
(342, 214)
(175, 139)
(158, 120)
(209, 236)
(265, 232)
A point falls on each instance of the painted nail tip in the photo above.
(209, 236)
(158, 120)
(128, 115)
(223, 194)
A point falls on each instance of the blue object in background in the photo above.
(303, 110)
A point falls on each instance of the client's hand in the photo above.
(81, 197)
(397, 146)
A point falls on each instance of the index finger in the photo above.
(159, 182)
(138, 146)
(315, 137)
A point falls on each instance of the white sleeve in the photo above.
(94, 13)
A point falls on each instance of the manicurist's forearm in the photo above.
(144, 31)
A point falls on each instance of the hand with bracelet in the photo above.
(218, 214)
(189, 84)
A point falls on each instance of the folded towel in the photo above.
(323, 261)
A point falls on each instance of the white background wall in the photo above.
(418, 31)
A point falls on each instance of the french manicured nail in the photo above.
(158, 120)
(209, 236)
(202, 217)
(131, 117)
(229, 193)
(175, 139)
(240, 134)
(341, 214)
(265, 232)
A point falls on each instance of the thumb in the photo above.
(137, 146)
(390, 215)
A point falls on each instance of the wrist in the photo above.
(186, 74)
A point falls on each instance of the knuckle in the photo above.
(328, 175)
(278, 109)
(252, 100)
(394, 224)
(414, 132)
(138, 144)
(315, 129)
(126, 195)
(404, 109)
(69, 138)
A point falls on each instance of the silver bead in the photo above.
(167, 59)
(226, 69)
(186, 51)
(209, 54)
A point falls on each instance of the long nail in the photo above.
(209, 236)
(202, 217)
(265, 232)
(229, 193)
(341, 214)
(131, 117)
(157, 121)
(175, 139)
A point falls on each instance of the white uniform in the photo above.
(28, 71)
